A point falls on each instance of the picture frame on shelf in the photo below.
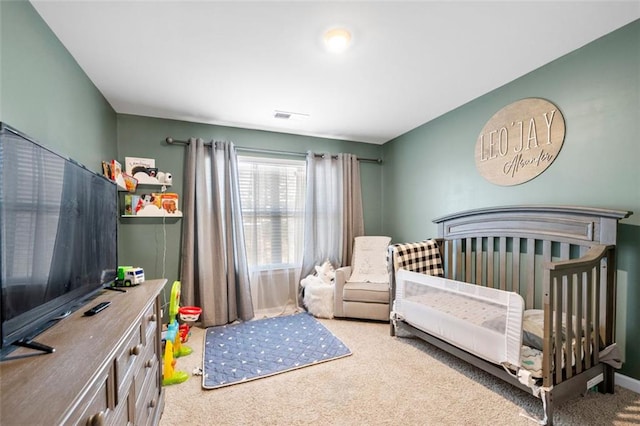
(142, 169)
(131, 162)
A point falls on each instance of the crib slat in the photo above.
(547, 344)
(546, 257)
(579, 279)
(530, 280)
(458, 271)
(555, 336)
(564, 255)
(448, 255)
(468, 257)
(516, 266)
(490, 248)
(479, 267)
(503, 263)
(609, 277)
(589, 310)
(448, 258)
(596, 316)
(572, 349)
(567, 307)
(560, 349)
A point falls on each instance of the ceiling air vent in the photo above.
(288, 115)
(282, 115)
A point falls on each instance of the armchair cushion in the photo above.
(369, 263)
(366, 292)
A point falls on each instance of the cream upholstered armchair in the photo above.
(362, 289)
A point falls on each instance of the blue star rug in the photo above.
(238, 353)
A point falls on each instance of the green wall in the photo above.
(431, 170)
(142, 241)
(46, 95)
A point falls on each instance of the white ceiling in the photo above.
(234, 63)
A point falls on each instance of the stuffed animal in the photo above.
(318, 291)
(326, 272)
(165, 177)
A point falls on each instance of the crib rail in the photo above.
(579, 313)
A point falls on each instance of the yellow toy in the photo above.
(174, 308)
(169, 374)
(173, 346)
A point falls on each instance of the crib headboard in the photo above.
(573, 225)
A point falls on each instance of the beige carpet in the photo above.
(387, 381)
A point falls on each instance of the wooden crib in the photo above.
(560, 259)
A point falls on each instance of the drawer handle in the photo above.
(149, 363)
(96, 419)
(152, 403)
(152, 318)
(136, 350)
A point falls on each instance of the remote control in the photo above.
(99, 307)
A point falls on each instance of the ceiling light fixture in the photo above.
(337, 40)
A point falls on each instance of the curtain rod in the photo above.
(172, 141)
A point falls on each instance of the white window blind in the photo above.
(272, 199)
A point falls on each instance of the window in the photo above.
(272, 199)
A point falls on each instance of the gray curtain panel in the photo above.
(353, 217)
(333, 210)
(215, 274)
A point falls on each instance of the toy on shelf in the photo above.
(165, 178)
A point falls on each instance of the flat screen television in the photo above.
(58, 232)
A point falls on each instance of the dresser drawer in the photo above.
(148, 371)
(123, 414)
(97, 403)
(149, 323)
(149, 398)
(126, 360)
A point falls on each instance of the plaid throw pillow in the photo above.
(422, 257)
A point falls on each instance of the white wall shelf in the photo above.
(139, 216)
(152, 210)
(153, 185)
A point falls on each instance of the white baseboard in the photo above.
(628, 382)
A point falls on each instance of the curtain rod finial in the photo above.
(169, 140)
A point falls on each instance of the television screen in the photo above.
(58, 224)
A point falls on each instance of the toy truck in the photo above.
(129, 276)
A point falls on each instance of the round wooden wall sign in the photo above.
(520, 141)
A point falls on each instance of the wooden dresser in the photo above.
(106, 368)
